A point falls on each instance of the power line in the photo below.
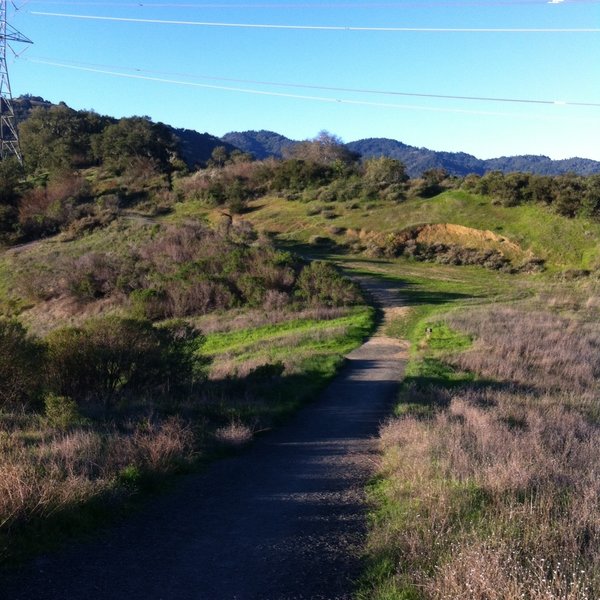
(323, 27)
(325, 5)
(324, 88)
(304, 97)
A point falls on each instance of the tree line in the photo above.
(138, 161)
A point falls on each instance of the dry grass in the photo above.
(234, 435)
(42, 473)
(537, 350)
(497, 496)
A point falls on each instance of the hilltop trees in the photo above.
(59, 138)
(569, 195)
(133, 140)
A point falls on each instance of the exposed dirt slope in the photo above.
(283, 521)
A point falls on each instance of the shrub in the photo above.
(383, 172)
(234, 435)
(61, 412)
(111, 358)
(320, 284)
(20, 361)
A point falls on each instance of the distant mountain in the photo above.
(262, 144)
(418, 160)
(542, 165)
(195, 148)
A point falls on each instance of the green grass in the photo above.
(311, 351)
(218, 343)
(563, 243)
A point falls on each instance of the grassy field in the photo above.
(65, 465)
(436, 507)
(487, 488)
(563, 243)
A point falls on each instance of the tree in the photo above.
(383, 171)
(21, 358)
(591, 197)
(134, 139)
(59, 138)
(326, 149)
(11, 173)
(513, 189)
(541, 189)
(569, 191)
(218, 157)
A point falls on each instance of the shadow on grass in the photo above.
(423, 396)
(412, 293)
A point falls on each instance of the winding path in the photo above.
(283, 521)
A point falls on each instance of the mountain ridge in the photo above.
(264, 144)
(196, 148)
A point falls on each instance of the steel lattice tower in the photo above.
(9, 137)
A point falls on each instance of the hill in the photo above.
(418, 160)
(196, 148)
(262, 144)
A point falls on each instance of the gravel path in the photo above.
(285, 520)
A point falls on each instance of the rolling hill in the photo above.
(268, 143)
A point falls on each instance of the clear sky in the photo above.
(557, 67)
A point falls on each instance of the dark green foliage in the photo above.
(261, 144)
(297, 175)
(433, 182)
(112, 358)
(591, 198)
(320, 284)
(21, 358)
(182, 364)
(11, 173)
(419, 160)
(59, 138)
(130, 141)
(382, 172)
(569, 195)
(195, 148)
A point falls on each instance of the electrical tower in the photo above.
(9, 137)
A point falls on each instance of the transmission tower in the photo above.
(9, 137)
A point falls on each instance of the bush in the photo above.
(20, 362)
(319, 284)
(61, 412)
(113, 358)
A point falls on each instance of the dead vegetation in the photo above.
(494, 493)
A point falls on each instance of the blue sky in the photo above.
(557, 67)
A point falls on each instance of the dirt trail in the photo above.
(283, 521)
